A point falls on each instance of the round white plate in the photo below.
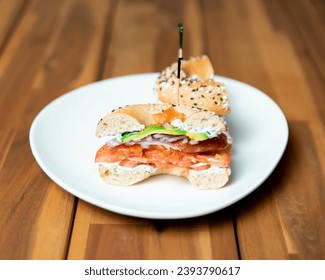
(63, 142)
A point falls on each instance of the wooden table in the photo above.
(49, 47)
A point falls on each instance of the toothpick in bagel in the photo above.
(196, 87)
(149, 139)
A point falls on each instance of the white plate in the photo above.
(62, 139)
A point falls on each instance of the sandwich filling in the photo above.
(175, 158)
(168, 146)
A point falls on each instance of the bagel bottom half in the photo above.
(112, 173)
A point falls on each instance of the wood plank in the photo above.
(49, 50)
(232, 47)
(52, 228)
(261, 54)
(238, 57)
(36, 214)
(198, 238)
(298, 24)
(99, 234)
(282, 65)
(259, 230)
(24, 51)
(149, 36)
(253, 50)
(6, 138)
(309, 19)
(10, 14)
(88, 214)
(19, 208)
(292, 73)
(301, 203)
(298, 200)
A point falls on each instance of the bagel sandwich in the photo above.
(196, 86)
(140, 141)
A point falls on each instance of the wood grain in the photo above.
(271, 60)
(99, 234)
(10, 15)
(31, 226)
(198, 238)
(304, 200)
(6, 137)
(293, 199)
(49, 47)
(304, 29)
(180, 240)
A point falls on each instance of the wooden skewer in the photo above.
(180, 57)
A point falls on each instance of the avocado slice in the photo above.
(138, 135)
(197, 136)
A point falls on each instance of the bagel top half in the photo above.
(196, 86)
(136, 117)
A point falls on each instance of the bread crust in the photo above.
(196, 87)
(209, 179)
(200, 66)
(113, 174)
